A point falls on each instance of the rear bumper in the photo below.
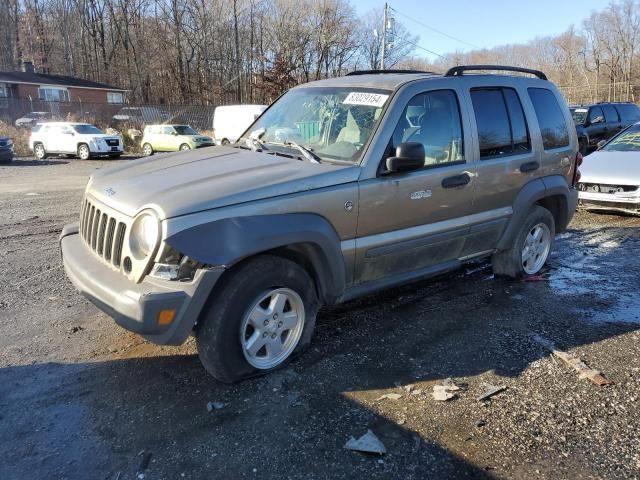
(136, 306)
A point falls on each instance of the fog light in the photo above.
(165, 317)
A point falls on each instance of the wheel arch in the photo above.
(307, 239)
(551, 193)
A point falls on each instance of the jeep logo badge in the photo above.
(110, 191)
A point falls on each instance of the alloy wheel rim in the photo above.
(272, 327)
(535, 250)
(185, 147)
(39, 151)
(84, 153)
(147, 149)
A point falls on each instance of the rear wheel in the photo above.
(147, 149)
(263, 316)
(83, 151)
(39, 151)
(531, 248)
(225, 141)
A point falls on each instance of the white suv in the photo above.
(70, 138)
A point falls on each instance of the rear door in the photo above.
(412, 221)
(507, 160)
(612, 119)
(597, 126)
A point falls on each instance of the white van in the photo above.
(230, 121)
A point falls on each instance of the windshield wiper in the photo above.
(306, 153)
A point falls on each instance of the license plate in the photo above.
(114, 149)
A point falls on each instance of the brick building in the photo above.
(28, 84)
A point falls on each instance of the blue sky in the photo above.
(485, 23)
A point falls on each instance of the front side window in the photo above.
(553, 127)
(502, 128)
(433, 119)
(596, 115)
(334, 123)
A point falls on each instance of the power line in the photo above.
(434, 29)
(422, 48)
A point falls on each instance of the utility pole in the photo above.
(384, 34)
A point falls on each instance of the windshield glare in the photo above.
(334, 123)
(579, 116)
(628, 141)
(184, 130)
(86, 128)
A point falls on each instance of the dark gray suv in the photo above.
(343, 187)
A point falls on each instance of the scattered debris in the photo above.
(211, 406)
(535, 278)
(144, 463)
(408, 388)
(578, 365)
(75, 329)
(416, 392)
(366, 443)
(390, 396)
(446, 391)
(480, 423)
(490, 391)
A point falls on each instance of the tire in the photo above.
(511, 263)
(83, 152)
(147, 149)
(184, 147)
(583, 146)
(39, 151)
(248, 307)
(225, 142)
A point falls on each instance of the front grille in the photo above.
(605, 188)
(101, 232)
(113, 142)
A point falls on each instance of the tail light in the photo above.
(576, 172)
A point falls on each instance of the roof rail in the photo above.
(368, 72)
(460, 69)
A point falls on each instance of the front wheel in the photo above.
(531, 248)
(39, 151)
(263, 315)
(83, 151)
(185, 146)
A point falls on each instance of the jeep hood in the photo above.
(185, 182)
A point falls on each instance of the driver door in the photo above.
(413, 222)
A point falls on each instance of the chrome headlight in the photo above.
(145, 234)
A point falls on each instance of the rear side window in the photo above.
(610, 114)
(553, 126)
(502, 128)
(628, 112)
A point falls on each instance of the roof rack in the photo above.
(368, 72)
(460, 69)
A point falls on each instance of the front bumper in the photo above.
(136, 306)
(607, 202)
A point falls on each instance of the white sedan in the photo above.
(69, 138)
(610, 178)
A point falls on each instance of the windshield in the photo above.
(579, 115)
(333, 123)
(184, 130)
(628, 141)
(86, 128)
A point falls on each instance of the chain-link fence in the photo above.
(22, 112)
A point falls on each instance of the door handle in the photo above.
(456, 181)
(529, 167)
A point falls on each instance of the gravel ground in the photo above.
(81, 398)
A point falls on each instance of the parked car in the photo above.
(32, 118)
(343, 187)
(230, 121)
(141, 115)
(70, 138)
(610, 178)
(6, 150)
(601, 121)
(170, 138)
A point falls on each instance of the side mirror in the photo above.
(601, 144)
(409, 156)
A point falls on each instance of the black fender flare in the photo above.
(228, 241)
(529, 195)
